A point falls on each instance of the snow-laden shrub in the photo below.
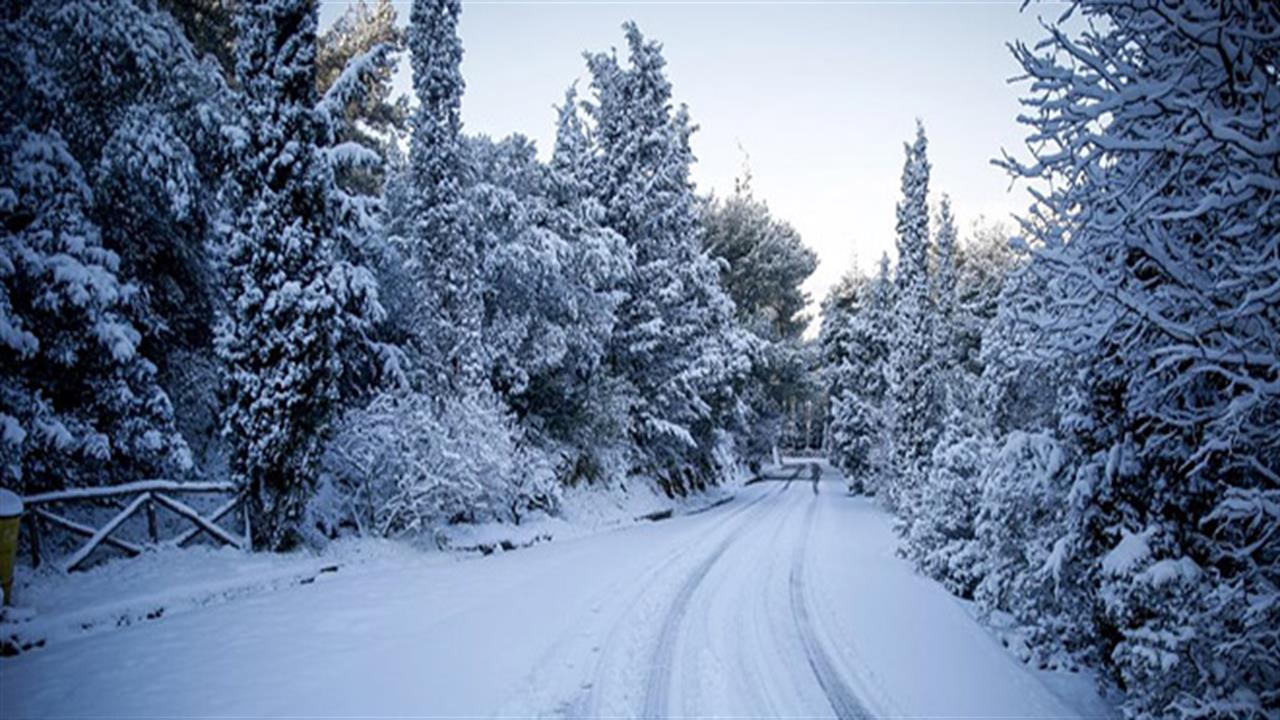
(407, 463)
(941, 539)
(1150, 595)
(1022, 539)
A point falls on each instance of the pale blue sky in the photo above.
(821, 94)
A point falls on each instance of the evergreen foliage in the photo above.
(441, 235)
(294, 304)
(676, 343)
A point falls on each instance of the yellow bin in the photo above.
(10, 514)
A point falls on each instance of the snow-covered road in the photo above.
(787, 601)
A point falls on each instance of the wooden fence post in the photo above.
(151, 522)
(248, 534)
(33, 522)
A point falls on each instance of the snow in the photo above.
(1131, 551)
(88, 493)
(10, 504)
(783, 601)
(1166, 571)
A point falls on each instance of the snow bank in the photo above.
(52, 606)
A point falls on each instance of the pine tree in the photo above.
(293, 303)
(441, 238)
(676, 344)
(765, 263)
(942, 537)
(147, 123)
(129, 235)
(858, 392)
(364, 42)
(585, 403)
(550, 276)
(944, 288)
(763, 266)
(912, 394)
(79, 404)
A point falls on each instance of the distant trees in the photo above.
(886, 349)
(763, 265)
(856, 352)
(1106, 474)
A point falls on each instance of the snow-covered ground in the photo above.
(788, 600)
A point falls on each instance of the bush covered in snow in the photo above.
(942, 539)
(1025, 554)
(406, 464)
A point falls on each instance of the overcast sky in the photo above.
(820, 94)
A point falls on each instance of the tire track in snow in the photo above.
(658, 688)
(587, 706)
(844, 702)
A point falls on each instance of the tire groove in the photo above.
(658, 687)
(588, 706)
(844, 702)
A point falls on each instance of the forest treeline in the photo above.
(231, 251)
(1080, 430)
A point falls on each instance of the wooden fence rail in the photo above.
(145, 495)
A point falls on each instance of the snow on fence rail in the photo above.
(146, 495)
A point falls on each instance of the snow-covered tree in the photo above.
(860, 443)
(293, 303)
(210, 26)
(79, 404)
(1154, 237)
(676, 343)
(440, 237)
(942, 537)
(765, 262)
(551, 277)
(913, 407)
(763, 265)
(983, 263)
(133, 122)
(144, 119)
(581, 403)
(838, 307)
(362, 48)
(943, 285)
(1025, 567)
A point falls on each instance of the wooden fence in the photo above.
(144, 496)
